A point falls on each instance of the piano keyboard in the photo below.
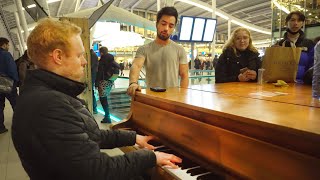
(188, 170)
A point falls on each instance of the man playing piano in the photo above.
(53, 132)
(163, 59)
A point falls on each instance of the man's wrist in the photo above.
(133, 83)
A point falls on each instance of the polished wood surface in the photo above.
(294, 93)
(255, 138)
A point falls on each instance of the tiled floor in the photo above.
(10, 165)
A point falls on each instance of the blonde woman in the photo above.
(239, 60)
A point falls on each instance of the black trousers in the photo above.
(12, 97)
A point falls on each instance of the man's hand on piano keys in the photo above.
(142, 141)
(164, 159)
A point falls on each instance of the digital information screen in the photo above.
(210, 30)
(186, 28)
(197, 29)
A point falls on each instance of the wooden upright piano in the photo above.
(233, 130)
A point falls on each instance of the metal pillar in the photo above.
(214, 6)
(21, 40)
(21, 48)
(23, 19)
(229, 29)
(192, 55)
(158, 5)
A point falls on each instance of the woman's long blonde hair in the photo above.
(231, 44)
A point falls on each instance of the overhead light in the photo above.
(52, 1)
(49, 1)
(284, 9)
(31, 6)
(251, 28)
(204, 7)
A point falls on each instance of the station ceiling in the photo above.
(256, 12)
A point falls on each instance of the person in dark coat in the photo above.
(121, 68)
(94, 70)
(24, 64)
(295, 37)
(55, 135)
(7, 68)
(239, 60)
(107, 66)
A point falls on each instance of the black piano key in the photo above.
(155, 143)
(170, 151)
(211, 176)
(187, 163)
(197, 171)
(162, 149)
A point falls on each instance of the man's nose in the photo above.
(84, 61)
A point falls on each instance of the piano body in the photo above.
(233, 130)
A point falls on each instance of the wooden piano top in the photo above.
(291, 121)
(231, 123)
(293, 94)
(297, 110)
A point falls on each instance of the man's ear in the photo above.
(57, 56)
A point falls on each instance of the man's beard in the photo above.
(164, 38)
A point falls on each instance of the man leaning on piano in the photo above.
(163, 59)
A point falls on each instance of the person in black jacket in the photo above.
(7, 68)
(55, 135)
(239, 60)
(24, 64)
(94, 70)
(108, 71)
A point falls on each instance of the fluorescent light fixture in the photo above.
(49, 1)
(251, 28)
(52, 1)
(29, 29)
(31, 6)
(284, 9)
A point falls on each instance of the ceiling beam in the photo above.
(59, 9)
(187, 9)
(230, 4)
(150, 7)
(134, 5)
(251, 7)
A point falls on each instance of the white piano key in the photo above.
(182, 174)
